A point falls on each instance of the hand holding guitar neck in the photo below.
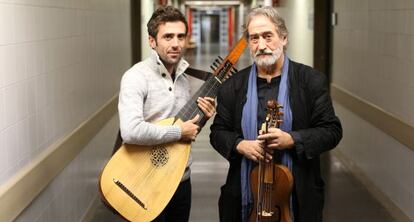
(189, 129)
(277, 139)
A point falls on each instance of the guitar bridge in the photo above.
(129, 193)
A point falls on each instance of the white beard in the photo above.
(267, 62)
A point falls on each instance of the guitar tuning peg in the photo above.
(212, 68)
(220, 58)
(235, 70)
(215, 65)
(218, 62)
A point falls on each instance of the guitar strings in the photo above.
(232, 58)
(215, 83)
(266, 205)
(190, 112)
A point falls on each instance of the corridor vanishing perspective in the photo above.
(61, 64)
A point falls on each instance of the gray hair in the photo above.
(273, 15)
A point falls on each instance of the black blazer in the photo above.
(315, 129)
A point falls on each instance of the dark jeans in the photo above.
(178, 209)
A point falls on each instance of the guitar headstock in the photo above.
(274, 115)
(219, 63)
(224, 68)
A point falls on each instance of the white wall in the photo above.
(373, 52)
(59, 62)
(298, 15)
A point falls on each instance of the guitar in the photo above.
(139, 181)
(271, 183)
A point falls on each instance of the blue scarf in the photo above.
(249, 127)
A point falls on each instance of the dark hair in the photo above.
(161, 16)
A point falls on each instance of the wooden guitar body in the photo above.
(279, 200)
(139, 181)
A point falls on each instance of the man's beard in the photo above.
(173, 61)
(269, 60)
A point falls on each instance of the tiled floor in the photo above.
(347, 200)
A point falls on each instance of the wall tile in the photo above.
(13, 150)
(23, 21)
(6, 24)
(3, 150)
(34, 56)
(24, 143)
(8, 64)
(30, 91)
(2, 115)
(59, 62)
(15, 104)
(41, 92)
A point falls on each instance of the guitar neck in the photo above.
(191, 109)
(210, 86)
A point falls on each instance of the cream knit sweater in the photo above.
(147, 95)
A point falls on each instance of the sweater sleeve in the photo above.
(134, 128)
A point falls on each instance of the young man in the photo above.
(155, 89)
(309, 126)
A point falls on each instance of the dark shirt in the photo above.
(265, 92)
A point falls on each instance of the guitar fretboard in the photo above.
(210, 87)
(191, 109)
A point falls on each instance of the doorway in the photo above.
(322, 53)
(210, 32)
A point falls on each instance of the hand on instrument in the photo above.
(189, 129)
(253, 149)
(277, 139)
(207, 105)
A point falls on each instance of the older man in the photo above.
(309, 127)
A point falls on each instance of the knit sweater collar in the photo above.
(155, 58)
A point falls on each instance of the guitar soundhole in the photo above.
(159, 156)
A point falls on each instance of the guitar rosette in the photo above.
(159, 156)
